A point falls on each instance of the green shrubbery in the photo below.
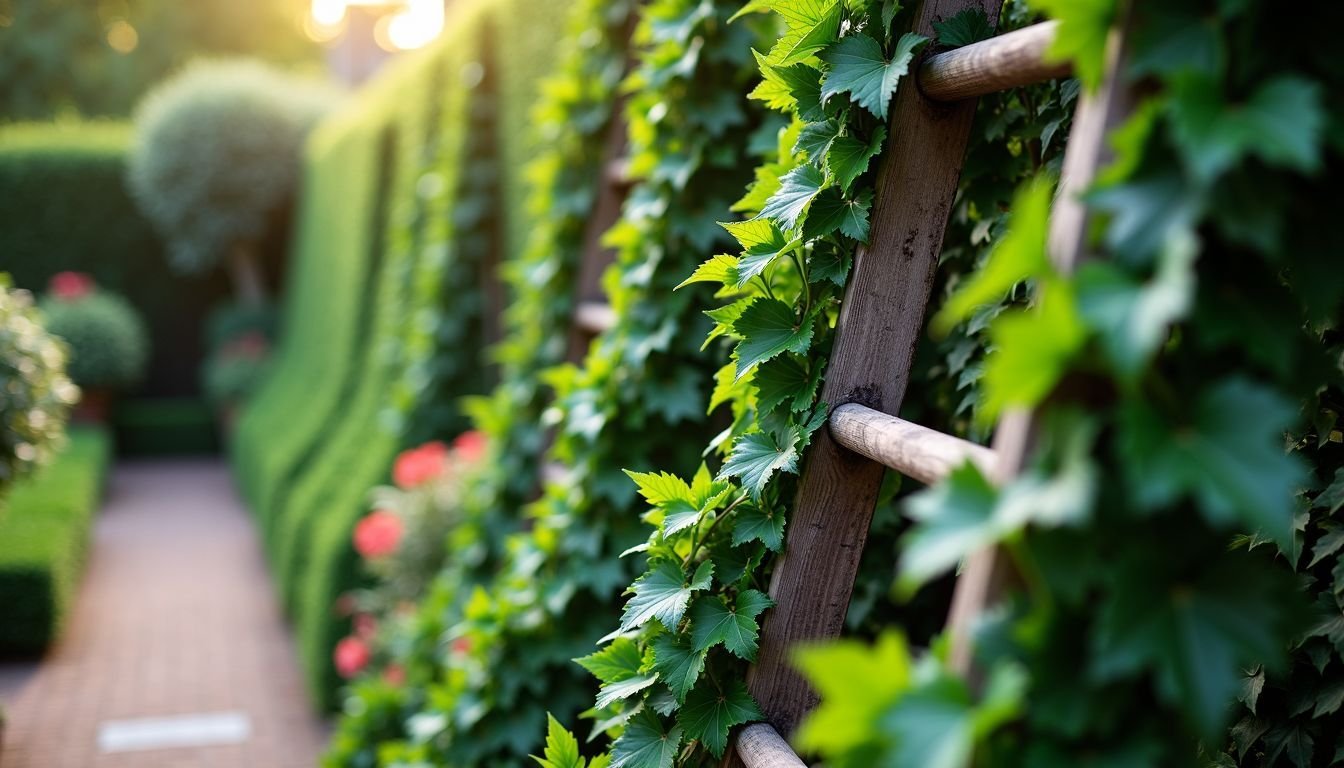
(35, 392)
(45, 534)
(67, 210)
(107, 339)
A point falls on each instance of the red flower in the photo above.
(395, 674)
(470, 446)
(70, 285)
(378, 534)
(351, 656)
(418, 466)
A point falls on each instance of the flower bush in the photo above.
(403, 544)
(109, 346)
(35, 393)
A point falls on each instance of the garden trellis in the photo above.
(881, 322)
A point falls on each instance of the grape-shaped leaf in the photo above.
(678, 664)
(832, 210)
(623, 689)
(967, 26)
(562, 749)
(714, 622)
(754, 523)
(811, 25)
(849, 158)
(645, 743)
(757, 456)
(618, 661)
(769, 327)
(663, 594)
(796, 190)
(859, 68)
(710, 712)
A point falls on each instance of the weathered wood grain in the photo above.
(1000, 63)
(916, 451)
(760, 746)
(881, 321)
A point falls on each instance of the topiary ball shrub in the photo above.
(108, 342)
(35, 393)
(217, 151)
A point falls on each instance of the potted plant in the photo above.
(107, 340)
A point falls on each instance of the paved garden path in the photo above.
(176, 616)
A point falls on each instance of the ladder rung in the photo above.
(919, 452)
(594, 316)
(759, 745)
(1007, 61)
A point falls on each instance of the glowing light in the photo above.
(122, 37)
(418, 24)
(328, 13)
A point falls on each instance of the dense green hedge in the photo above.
(67, 208)
(385, 322)
(46, 533)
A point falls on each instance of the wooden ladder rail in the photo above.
(813, 581)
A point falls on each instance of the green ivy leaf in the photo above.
(811, 25)
(1235, 467)
(816, 138)
(1330, 543)
(858, 684)
(796, 190)
(721, 269)
(757, 456)
(1032, 350)
(645, 743)
(831, 211)
(663, 594)
(787, 380)
(1282, 123)
(1332, 498)
(618, 661)
(1019, 255)
(1083, 26)
(1197, 637)
(714, 622)
(769, 327)
(755, 523)
(969, 25)
(710, 712)
(562, 749)
(859, 68)
(1133, 318)
(952, 520)
(678, 664)
(613, 692)
(849, 158)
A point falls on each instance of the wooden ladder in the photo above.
(880, 324)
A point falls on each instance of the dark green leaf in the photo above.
(769, 327)
(677, 664)
(710, 712)
(858, 67)
(796, 190)
(646, 744)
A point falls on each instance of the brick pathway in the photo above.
(176, 615)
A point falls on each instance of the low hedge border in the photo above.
(45, 531)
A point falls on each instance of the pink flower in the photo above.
(351, 656)
(417, 466)
(395, 674)
(378, 534)
(461, 646)
(70, 285)
(366, 625)
(470, 446)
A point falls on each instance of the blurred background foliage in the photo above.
(95, 58)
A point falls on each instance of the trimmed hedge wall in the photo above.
(66, 208)
(46, 533)
(384, 322)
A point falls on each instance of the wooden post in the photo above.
(881, 321)
(985, 574)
